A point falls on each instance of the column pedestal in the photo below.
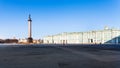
(30, 40)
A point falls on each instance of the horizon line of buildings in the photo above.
(90, 37)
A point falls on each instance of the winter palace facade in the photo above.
(91, 37)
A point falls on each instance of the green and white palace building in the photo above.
(91, 37)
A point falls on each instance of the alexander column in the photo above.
(30, 40)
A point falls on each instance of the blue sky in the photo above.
(56, 16)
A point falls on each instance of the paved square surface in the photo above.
(57, 57)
